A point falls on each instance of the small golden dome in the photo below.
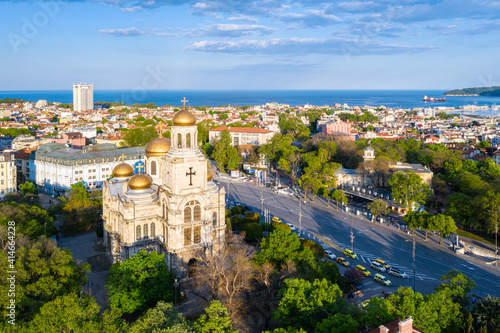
(184, 118)
(158, 147)
(141, 181)
(123, 170)
(210, 175)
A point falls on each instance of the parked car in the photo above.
(378, 266)
(276, 219)
(382, 279)
(350, 254)
(386, 265)
(363, 270)
(343, 261)
(330, 254)
(248, 208)
(397, 272)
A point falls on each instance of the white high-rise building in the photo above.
(83, 97)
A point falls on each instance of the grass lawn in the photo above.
(488, 239)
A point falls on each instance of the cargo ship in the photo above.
(432, 99)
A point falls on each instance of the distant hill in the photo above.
(481, 91)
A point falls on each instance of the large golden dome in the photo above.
(158, 147)
(141, 181)
(184, 118)
(210, 175)
(123, 170)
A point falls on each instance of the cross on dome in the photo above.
(140, 167)
(184, 100)
(122, 158)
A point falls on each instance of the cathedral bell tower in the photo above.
(186, 167)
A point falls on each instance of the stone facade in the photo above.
(181, 214)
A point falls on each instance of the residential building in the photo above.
(75, 139)
(242, 135)
(8, 174)
(397, 326)
(23, 164)
(54, 167)
(25, 141)
(83, 97)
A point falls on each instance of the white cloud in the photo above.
(132, 9)
(243, 18)
(127, 32)
(309, 18)
(302, 46)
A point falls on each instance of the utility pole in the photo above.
(300, 215)
(414, 266)
(352, 235)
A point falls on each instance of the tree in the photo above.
(44, 272)
(303, 304)
(338, 323)
(378, 207)
(227, 273)
(487, 313)
(140, 282)
(224, 153)
(28, 187)
(340, 197)
(279, 247)
(164, 317)
(32, 221)
(216, 320)
(253, 231)
(140, 136)
(443, 224)
(418, 220)
(82, 209)
(459, 284)
(67, 313)
(407, 187)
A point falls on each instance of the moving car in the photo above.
(378, 266)
(363, 270)
(382, 279)
(350, 254)
(343, 261)
(276, 219)
(397, 272)
(386, 265)
(330, 254)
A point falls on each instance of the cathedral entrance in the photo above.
(192, 265)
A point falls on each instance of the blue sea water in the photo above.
(389, 98)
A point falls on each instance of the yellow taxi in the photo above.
(382, 279)
(350, 254)
(343, 261)
(363, 270)
(277, 219)
(383, 263)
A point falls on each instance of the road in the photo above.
(372, 240)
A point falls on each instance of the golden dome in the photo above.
(123, 170)
(141, 181)
(158, 147)
(183, 118)
(210, 175)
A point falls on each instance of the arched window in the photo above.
(179, 140)
(153, 231)
(187, 214)
(214, 219)
(188, 140)
(138, 232)
(153, 168)
(197, 213)
(192, 207)
(145, 231)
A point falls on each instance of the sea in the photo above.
(389, 98)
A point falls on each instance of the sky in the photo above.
(249, 44)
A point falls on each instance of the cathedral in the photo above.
(171, 207)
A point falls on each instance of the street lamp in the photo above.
(352, 235)
(300, 215)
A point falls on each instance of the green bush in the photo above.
(252, 217)
(238, 210)
(279, 225)
(315, 248)
(236, 221)
(253, 231)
